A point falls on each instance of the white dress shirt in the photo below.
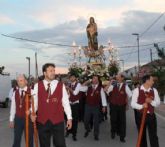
(65, 98)
(76, 91)
(127, 90)
(13, 104)
(103, 96)
(135, 105)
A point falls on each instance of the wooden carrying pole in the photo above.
(27, 120)
(141, 127)
(142, 124)
(34, 123)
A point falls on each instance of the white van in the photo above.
(5, 86)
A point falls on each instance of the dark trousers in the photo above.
(48, 130)
(136, 119)
(151, 125)
(81, 108)
(118, 120)
(75, 117)
(19, 128)
(92, 111)
(103, 115)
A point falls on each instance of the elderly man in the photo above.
(17, 112)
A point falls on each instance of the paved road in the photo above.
(105, 140)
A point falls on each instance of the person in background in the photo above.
(74, 97)
(119, 95)
(136, 85)
(95, 96)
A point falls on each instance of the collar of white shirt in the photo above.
(143, 88)
(24, 89)
(73, 83)
(51, 83)
(119, 85)
(95, 86)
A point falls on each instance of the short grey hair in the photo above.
(21, 76)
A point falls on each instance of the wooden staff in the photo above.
(142, 125)
(34, 123)
(27, 120)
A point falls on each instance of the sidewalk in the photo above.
(161, 109)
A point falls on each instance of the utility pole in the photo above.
(36, 65)
(151, 55)
(28, 58)
(136, 34)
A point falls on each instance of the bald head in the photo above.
(21, 81)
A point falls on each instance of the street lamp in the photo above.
(28, 58)
(136, 34)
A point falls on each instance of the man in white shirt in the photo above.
(51, 101)
(118, 97)
(147, 97)
(74, 97)
(95, 97)
(17, 112)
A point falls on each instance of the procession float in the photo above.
(94, 59)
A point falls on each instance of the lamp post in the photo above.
(137, 35)
(28, 58)
(36, 65)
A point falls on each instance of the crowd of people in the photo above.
(60, 106)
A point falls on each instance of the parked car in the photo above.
(129, 83)
(5, 86)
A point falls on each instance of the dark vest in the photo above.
(73, 97)
(142, 97)
(20, 111)
(52, 111)
(118, 97)
(95, 98)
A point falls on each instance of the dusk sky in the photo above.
(65, 21)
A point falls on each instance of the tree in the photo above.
(2, 69)
(113, 68)
(160, 70)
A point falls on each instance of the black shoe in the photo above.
(96, 138)
(86, 134)
(122, 140)
(74, 138)
(113, 135)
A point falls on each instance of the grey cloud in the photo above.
(132, 22)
